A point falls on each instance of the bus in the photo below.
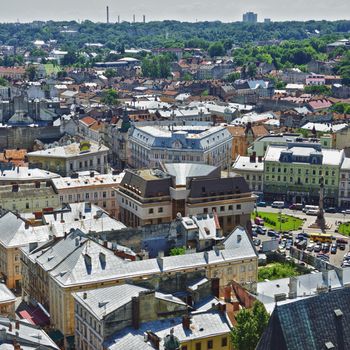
(310, 207)
(321, 237)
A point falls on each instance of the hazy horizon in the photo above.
(182, 10)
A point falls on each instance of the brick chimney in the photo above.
(253, 157)
(186, 321)
(135, 307)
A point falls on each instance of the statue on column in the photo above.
(321, 222)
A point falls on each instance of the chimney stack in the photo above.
(17, 324)
(186, 322)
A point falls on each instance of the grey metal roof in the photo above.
(206, 324)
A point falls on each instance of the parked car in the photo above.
(346, 211)
(261, 204)
(342, 241)
(288, 245)
(271, 233)
(259, 221)
(296, 206)
(312, 212)
(302, 244)
(325, 247)
(310, 247)
(278, 204)
(341, 246)
(257, 242)
(317, 248)
(333, 248)
(330, 210)
(261, 230)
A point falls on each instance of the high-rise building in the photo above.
(250, 17)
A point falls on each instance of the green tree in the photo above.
(216, 49)
(31, 73)
(110, 98)
(250, 326)
(3, 81)
(251, 70)
(318, 89)
(232, 77)
(110, 73)
(177, 251)
(70, 58)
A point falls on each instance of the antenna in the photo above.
(107, 13)
(133, 18)
(118, 19)
(144, 18)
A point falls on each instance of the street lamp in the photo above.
(280, 214)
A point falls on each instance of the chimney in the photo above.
(62, 220)
(260, 159)
(253, 157)
(92, 173)
(186, 322)
(215, 287)
(293, 288)
(84, 295)
(135, 306)
(77, 241)
(26, 225)
(17, 324)
(239, 238)
(10, 327)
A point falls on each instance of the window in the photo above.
(150, 211)
(198, 346)
(91, 162)
(222, 208)
(104, 194)
(224, 341)
(210, 344)
(239, 206)
(160, 210)
(98, 161)
(27, 205)
(80, 165)
(87, 195)
(230, 207)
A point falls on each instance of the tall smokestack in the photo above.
(107, 10)
(144, 19)
(134, 18)
(118, 19)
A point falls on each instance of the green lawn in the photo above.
(275, 271)
(51, 69)
(344, 229)
(272, 220)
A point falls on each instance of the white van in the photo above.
(277, 204)
(310, 207)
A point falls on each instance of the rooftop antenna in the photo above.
(107, 13)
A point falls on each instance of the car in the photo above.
(288, 245)
(325, 247)
(345, 264)
(323, 256)
(257, 242)
(341, 241)
(341, 246)
(261, 230)
(334, 248)
(271, 233)
(310, 247)
(346, 211)
(261, 204)
(302, 244)
(330, 210)
(312, 212)
(296, 206)
(317, 248)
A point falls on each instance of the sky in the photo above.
(184, 10)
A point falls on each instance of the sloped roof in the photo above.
(310, 323)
